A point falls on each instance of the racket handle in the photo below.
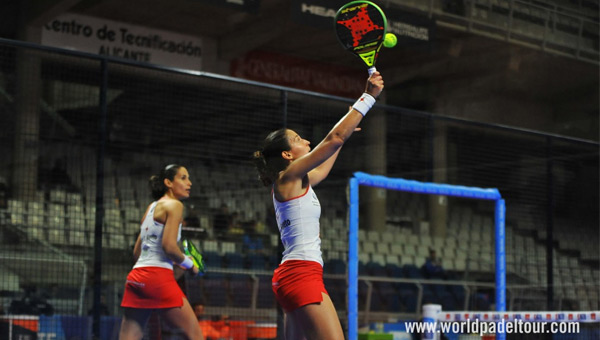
(372, 70)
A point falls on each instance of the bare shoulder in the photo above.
(171, 204)
(284, 190)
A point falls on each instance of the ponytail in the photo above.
(264, 174)
(157, 182)
(268, 161)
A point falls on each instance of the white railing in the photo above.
(552, 29)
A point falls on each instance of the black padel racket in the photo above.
(190, 250)
(360, 27)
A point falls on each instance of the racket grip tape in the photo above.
(372, 70)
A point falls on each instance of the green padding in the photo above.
(375, 336)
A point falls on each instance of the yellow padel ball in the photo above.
(390, 40)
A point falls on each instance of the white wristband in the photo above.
(364, 103)
(187, 263)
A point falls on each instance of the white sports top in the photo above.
(298, 222)
(151, 235)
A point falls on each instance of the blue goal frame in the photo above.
(377, 181)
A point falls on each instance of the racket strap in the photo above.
(364, 104)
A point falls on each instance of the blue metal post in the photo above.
(353, 262)
(500, 260)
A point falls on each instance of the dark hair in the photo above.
(268, 160)
(157, 182)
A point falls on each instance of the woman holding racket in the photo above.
(287, 163)
(151, 284)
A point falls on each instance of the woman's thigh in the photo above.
(182, 319)
(317, 321)
(134, 321)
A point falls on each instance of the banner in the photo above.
(408, 27)
(300, 73)
(315, 13)
(19, 327)
(541, 316)
(250, 6)
(106, 37)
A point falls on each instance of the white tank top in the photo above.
(298, 222)
(151, 235)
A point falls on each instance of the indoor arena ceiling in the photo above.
(271, 28)
(268, 25)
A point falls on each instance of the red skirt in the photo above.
(297, 283)
(152, 287)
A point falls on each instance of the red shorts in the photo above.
(152, 287)
(297, 283)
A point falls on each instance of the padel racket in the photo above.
(190, 250)
(360, 27)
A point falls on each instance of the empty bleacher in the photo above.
(67, 220)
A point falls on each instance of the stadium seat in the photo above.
(210, 246)
(335, 266)
(58, 196)
(459, 294)
(113, 221)
(36, 233)
(117, 241)
(376, 269)
(234, 260)
(378, 258)
(387, 237)
(228, 247)
(57, 236)
(411, 271)
(9, 282)
(256, 261)
(212, 259)
(407, 260)
(392, 259)
(394, 270)
(367, 247)
(373, 236)
(266, 297)
(335, 255)
(396, 249)
(216, 289)
(272, 261)
(337, 291)
(240, 290)
(382, 248)
(35, 220)
(362, 294)
(78, 237)
(410, 302)
(429, 295)
(377, 302)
